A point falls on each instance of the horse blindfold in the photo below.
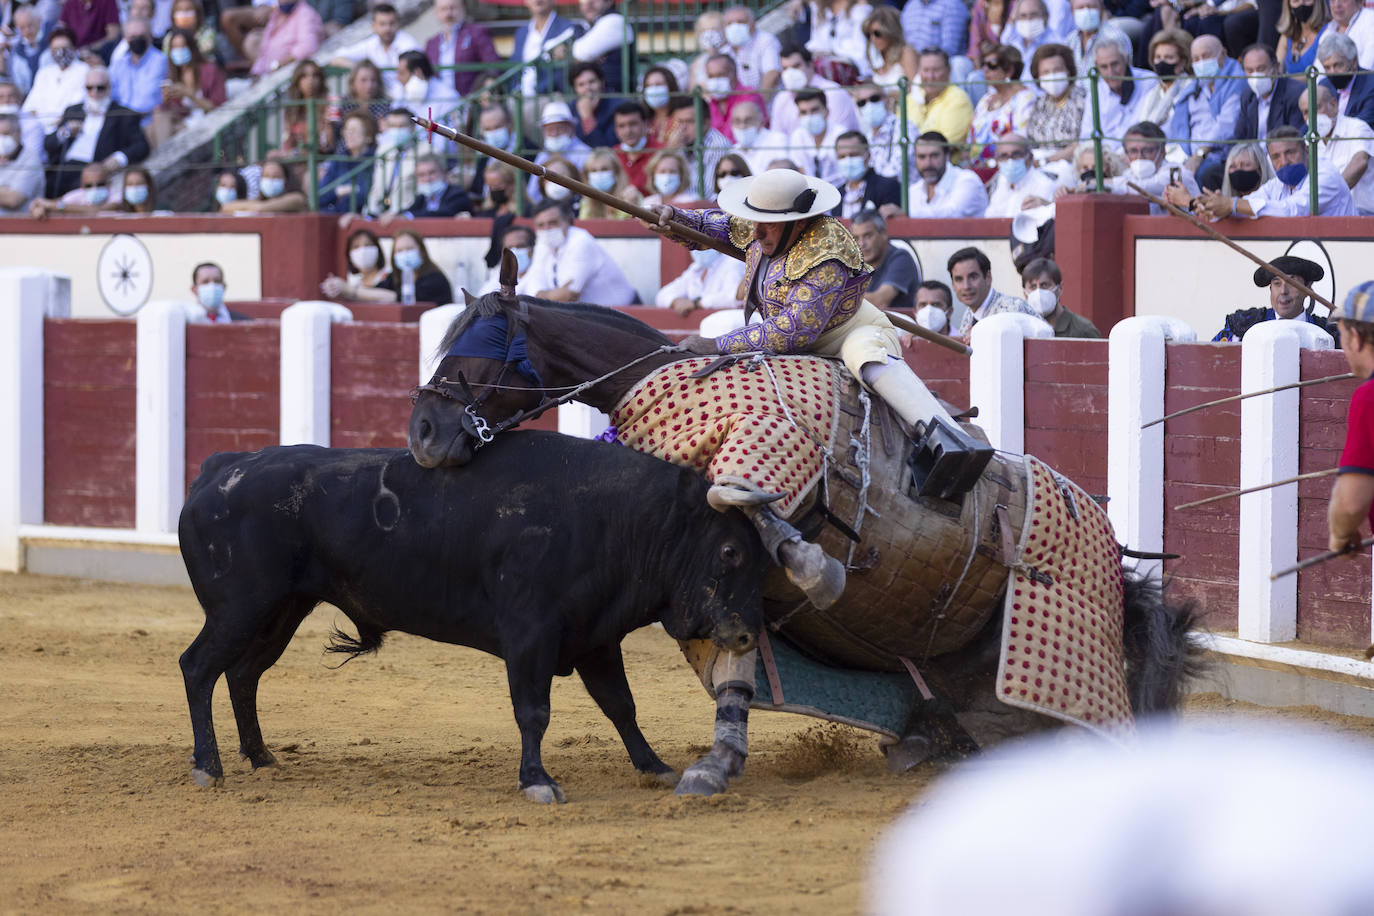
(485, 338)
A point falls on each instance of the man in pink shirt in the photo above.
(293, 33)
(724, 92)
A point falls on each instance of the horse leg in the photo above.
(820, 576)
(603, 674)
(732, 678)
(245, 673)
(530, 675)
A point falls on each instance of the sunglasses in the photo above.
(877, 34)
(103, 87)
(991, 65)
(869, 100)
(731, 174)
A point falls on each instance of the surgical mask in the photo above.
(705, 257)
(1340, 80)
(430, 188)
(1245, 181)
(1292, 174)
(667, 183)
(1055, 84)
(9, 109)
(409, 259)
(135, 194)
(497, 138)
(272, 187)
(793, 78)
(601, 179)
(746, 136)
(1030, 29)
(1206, 68)
(874, 114)
(416, 88)
(1043, 301)
(553, 192)
(179, 57)
(656, 96)
(397, 137)
(725, 181)
(1324, 125)
(814, 124)
(1087, 19)
(932, 318)
(8, 146)
(210, 296)
(558, 143)
(1260, 85)
(718, 86)
(138, 46)
(1142, 168)
(635, 147)
(522, 259)
(853, 168)
(226, 195)
(737, 33)
(1013, 170)
(184, 19)
(63, 57)
(97, 196)
(551, 238)
(365, 257)
(713, 40)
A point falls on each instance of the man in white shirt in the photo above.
(59, 85)
(30, 126)
(1091, 27)
(970, 273)
(797, 74)
(712, 282)
(1144, 148)
(384, 48)
(1286, 194)
(1354, 21)
(1347, 143)
(812, 143)
(755, 52)
(944, 190)
(21, 169)
(758, 145)
(1120, 98)
(879, 126)
(560, 139)
(393, 174)
(1019, 184)
(569, 265)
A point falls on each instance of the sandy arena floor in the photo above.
(397, 783)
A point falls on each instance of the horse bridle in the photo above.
(474, 424)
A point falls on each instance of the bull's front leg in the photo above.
(732, 678)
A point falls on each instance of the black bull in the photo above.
(545, 551)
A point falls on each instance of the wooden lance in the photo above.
(1249, 394)
(674, 228)
(1321, 558)
(1235, 494)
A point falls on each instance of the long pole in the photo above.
(1233, 494)
(935, 337)
(1320, 558)
(1183, 214)
(1249, 394)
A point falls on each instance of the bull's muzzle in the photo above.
(734, 636)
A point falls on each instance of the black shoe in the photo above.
(948, 461)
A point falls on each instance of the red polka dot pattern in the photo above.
(730, 423)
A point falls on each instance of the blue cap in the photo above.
(1358, 305)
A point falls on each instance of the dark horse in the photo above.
(569, 344)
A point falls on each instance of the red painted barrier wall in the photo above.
(1202, 458)
(89, 410)
(944, 371)
(233, 389)
(372, 367)
(1066, 408)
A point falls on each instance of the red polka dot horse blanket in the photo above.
(767, 419)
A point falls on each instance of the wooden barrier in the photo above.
(233, 390)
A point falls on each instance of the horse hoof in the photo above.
(908, 753)
(702, 782)
(205, 780)
(666, 780)
(544, 794)
(820, 576)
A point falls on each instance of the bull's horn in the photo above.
(721, 497)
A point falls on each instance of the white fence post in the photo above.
(160, 455)
(997, 376)
(26, 297)
(1135, 456)
(1271, 355)
(305, 349)
(433, 325)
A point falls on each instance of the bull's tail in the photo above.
(1161, 658)
(368, 640)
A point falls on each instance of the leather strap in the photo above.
(770, 667)
(916, 676)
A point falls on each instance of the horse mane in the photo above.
(492, 304)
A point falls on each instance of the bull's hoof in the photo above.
(205, 780)
(704, 780)
(665, 780)
(820, 576)
(544, 794)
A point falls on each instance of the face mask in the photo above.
(1245, 181)
(1260, 85)
(1043, 301)
(814, 124)
(63, 57)
(364, 258)
(726, 181)
(97, 196)
(601, 179)
(853, 168)
(737, 33)
(416, 88)
(397, 137)
(226, 195)
(272, 187)
(1089, 176)
(1206, 68)
(718, 87)
(874, 114)
(713, 40)
(430, 188)
(1087, 20)
(1030, 29)
(9, 109)
(499, 196)
(553, 192)
(558, 143)
(932, 318)
(551, 238)
(656, 96)
(1142, 168)
(286, 8)
(1292, 174)
(184, 19)
(1324, 125)
(793, 79)
(1301, 13)
(667, 183)
(1055, 84)
(8, 146)
(522, 259)
(135, 194)
(1165, 68)
(635, 147)
(180, 57)
(137, 46)
(746, 136)
(409, 259)
(1340, 80)
(211, 296)
(705, 257)
(1013, 169)
(497, 138)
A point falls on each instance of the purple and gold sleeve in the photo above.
(715, 223)
(812, 305)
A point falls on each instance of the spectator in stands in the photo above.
(1030, 28)
(30, 126)
(1286, 194)
(945, 190)
(307, 88)
(417, 83)
(732, 167)
(366, 92)
(460, 42)
(861, 187)
(1006, 105)
(1301, 25)
(1019, 183)
(537, 38)
(552, 190)
(207, 285)
(229, 187)
(880, 129)
(498, 191)
(364, 271)
(189, 16)
(1285, 301)
(393, 175)
(601, 41)
(683, 138)
(410, 264)
(659, 86)
(98, 131)
(756, 52)
(1354, 91)
(498, 131)
(340, 194)
(59, 83)
(26, 44)
(1121, 99)
(1054, 119)
(570, 265)
(724, 94)
(1043, 283)
(520, 241)
(1347, 143)
(1085, 166)
(384, 47)
(711, 282)
(278, 192)
(812, 143)
(934, 307)
(1349, 18)
(1214, 102)
(837, 30)
(1144, 147)
(1165, 98)
(605, 171)
(91, 195)
(634, 147)
(937, 106)
(669, 180)
(138, 193)
(1091, 28)
(759, 145)
(798, 75)
(93, 23)
(293, 32)
(987, 21)
(13, 66)
(939, 24)
(710, 35)
(970, 273)
(194, 87)
(136, 78)
(595, 113)
(1247, 170)
(21, 169)
(1265, 91)
(888, 56)
(435, 196)
(895, 274)
(243, 25)
(560, 141)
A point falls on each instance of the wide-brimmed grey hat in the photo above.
(778, 196)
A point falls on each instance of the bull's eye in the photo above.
(729, 553)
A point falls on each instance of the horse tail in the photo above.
(1161, 658)
(368, 640)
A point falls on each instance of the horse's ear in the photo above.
(469, 298)
(510, 272)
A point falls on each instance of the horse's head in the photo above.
(484, 377)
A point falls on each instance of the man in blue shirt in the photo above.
(136, 78)
(1214, 103)
(939, 24)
